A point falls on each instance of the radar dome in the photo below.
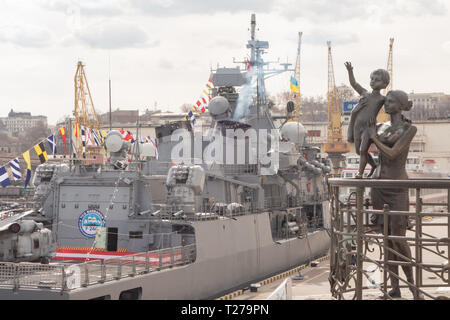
(113, 141)
(294, 132)
(218, 105)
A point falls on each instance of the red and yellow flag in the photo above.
(62, 132)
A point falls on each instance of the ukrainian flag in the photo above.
(294, 85)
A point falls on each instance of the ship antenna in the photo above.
(110, 113)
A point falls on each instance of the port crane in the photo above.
(383, 116)
(335, 145)
(84, 110)
(295, 97)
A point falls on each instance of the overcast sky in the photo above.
(161, 51)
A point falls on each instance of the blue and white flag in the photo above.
(95, 136)
(4, 178)
(15, 169)
(51, 143)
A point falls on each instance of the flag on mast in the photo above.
(294, 85)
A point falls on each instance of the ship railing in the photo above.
(100, 271)
(66, 277)
(31, 275)
(272, 202)
(362, 256)
(206, 212)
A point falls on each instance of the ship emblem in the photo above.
(89, 221)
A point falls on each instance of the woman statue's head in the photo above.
(397, 101)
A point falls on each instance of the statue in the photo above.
(365, 111)
(393, 140)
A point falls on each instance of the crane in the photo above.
(84, 110)
(296, 96)
(383, 116)
(335, 145)
(84, 113)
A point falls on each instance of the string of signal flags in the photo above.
(201, 104)
(89, 136)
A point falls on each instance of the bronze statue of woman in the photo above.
(393, 140)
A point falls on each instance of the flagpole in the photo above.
(70, 144)
(110, 114)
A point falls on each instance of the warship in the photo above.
(219, 208)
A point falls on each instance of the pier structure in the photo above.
(359, 259)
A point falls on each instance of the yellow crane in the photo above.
(85, 115)
(383, 116)
(295, 97)
(84, 110)
(335, 145)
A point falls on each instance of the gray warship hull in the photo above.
(230, 254)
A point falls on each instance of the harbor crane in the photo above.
(84, 110)
(296, 96)
(335, 145)
(383, 116)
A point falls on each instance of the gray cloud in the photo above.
(26, 36)
(165, 64)
(113, 35)
(320, 37)
(181, 7)
(344, 10)
(84, 8)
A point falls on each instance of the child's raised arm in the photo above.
(353, 82)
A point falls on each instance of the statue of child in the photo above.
(364, 113)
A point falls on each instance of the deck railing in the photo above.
(66, 277)
(358, 259)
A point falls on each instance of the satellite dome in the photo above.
(218, 105)
(294, 132)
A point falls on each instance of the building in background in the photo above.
(17, 122)
(426, 100)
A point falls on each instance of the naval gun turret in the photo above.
(25, 240)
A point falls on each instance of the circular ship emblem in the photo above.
(89, 221)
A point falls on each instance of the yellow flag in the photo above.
(26, 157)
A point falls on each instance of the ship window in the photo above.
(132, 294)
(36, 243)
(135, 234)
